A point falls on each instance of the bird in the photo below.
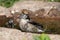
(27, 26)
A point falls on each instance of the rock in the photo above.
(5, 11)
(14, 34)
(40, 12)
(34, 6)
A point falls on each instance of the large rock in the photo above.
(14, 34)
(33, 6)
(5, 11)
(52, 20)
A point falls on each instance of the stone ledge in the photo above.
(14, 34)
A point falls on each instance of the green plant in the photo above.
(7, 3)
(42, 37)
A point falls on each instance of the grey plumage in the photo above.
(26, 26)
